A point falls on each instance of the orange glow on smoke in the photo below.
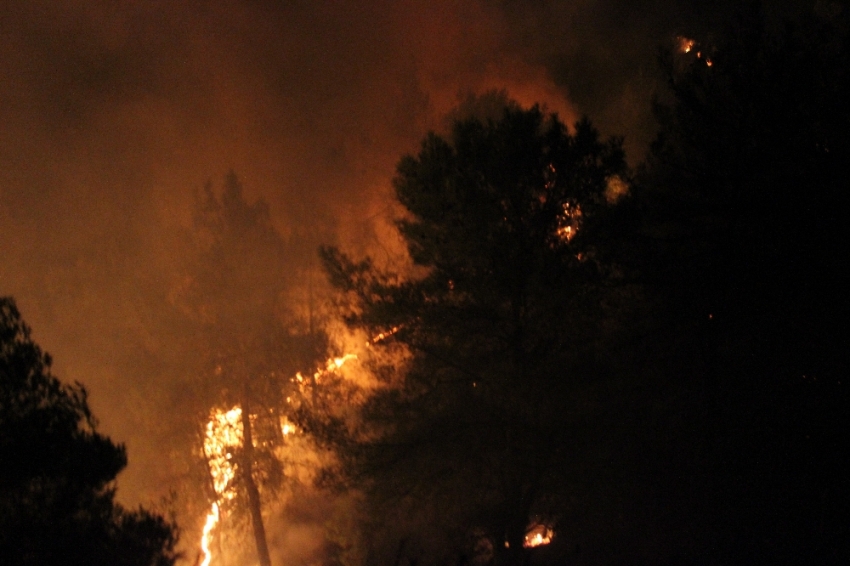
(224, 428)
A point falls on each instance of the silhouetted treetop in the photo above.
(56, 482)
(502, 219)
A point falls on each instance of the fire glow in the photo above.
(212, 519)
(223, 434)
(568, 222)
(687, 45)
(538, 536)
(331, 366)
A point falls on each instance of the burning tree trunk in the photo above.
(251, 485)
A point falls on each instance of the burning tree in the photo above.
(233, 293)
(476, 433)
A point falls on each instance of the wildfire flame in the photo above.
(223, 433)
(687, 45)
(212, 519)
(382, 336)
(538, 536)
(331, 366)
(568, 222)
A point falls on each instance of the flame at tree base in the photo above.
(209, 525)
(223, 434)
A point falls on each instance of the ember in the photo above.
(538, 536)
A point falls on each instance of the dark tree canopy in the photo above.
(749, 174)
(710, 429)
(57, 475)
(501, 325)
(744, 203)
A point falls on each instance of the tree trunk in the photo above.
(251, 485)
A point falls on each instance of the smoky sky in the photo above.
(114, 113)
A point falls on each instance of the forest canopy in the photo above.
(575, 362)
(578, 362)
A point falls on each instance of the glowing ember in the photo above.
(568, 222)
(686, 44)
(538, 536)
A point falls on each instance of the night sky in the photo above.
(113, 113)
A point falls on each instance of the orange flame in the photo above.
(568, 222)
(686, 44)
(538, 536)
(224, 432)
(382, 336)
(209, 525)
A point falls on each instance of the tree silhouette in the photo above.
(743, 204)
(501, 325)
(236, 277)
(57, 475)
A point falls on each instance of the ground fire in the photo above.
(224, 435)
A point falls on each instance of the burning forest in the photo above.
(465, 283)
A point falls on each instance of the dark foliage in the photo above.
(504, 327)
(56, 478)
(744, 202)
(668, 385)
